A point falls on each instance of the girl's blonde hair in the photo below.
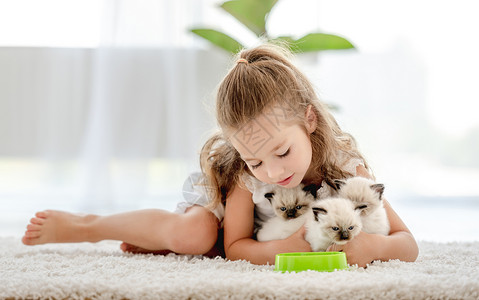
(264, 77)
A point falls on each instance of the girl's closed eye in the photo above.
(280, 156)
(256, 166)
(284, 154)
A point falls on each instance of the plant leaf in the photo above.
(283, 39)
(320, 42)
(286, 41)
(251, 13)
(219, 39)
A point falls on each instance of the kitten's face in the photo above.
(365, 194)
(338, 218)
(290, 203)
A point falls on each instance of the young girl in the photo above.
(274, 131)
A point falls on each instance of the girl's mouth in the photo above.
(285, 181)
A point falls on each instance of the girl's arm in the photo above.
(365, 248)
(238, 232)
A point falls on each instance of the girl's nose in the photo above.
(275, 171)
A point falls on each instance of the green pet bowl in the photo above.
(315, 261)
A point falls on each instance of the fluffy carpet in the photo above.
(102, 271)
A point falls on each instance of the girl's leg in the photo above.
(194, 232)
(217, 250)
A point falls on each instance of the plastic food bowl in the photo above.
(315, 261)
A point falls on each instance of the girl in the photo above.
(274, 131)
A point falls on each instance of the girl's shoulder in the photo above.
(256, 187)
(348, 163)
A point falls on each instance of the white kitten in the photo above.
(366, 196)
(334, 220)
(291, 207)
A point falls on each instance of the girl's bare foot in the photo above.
(53, 226)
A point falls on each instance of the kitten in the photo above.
(334, 220)
(291, 206)
(367, 197)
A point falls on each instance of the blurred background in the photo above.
(104, 105)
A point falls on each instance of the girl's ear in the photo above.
(310, 118)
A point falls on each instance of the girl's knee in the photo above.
(197, 232)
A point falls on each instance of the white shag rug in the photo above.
(102, 271)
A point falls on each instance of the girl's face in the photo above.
(276, 152)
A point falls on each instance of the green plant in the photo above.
(254, 15)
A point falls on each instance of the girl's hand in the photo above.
(297, 243)
(361, 250)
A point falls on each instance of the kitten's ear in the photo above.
(336, 184)
(361, 209)
(379, 188)
(269, 196)
(317, 211)
(313, 189)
